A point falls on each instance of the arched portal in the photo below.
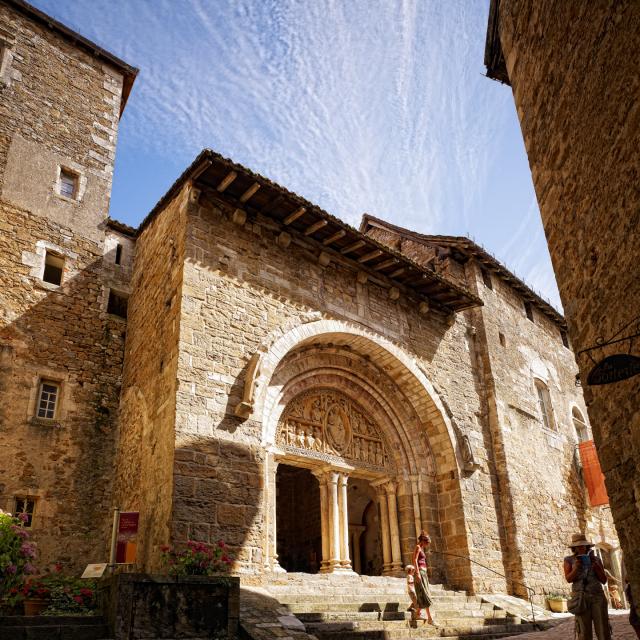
(354, 408)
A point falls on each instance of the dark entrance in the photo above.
(298, 525)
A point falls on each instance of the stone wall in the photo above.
(60, 108)
(240, 292)
(62, 334)
(575, 91)
(542, 496)
(145, 457)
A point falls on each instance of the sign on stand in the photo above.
(123, 537)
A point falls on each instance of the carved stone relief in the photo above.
(326, 424)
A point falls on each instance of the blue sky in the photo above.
(375, 106)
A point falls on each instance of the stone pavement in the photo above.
(622, 630)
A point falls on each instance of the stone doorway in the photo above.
(299, 534)
(365, 542)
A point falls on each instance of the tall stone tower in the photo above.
(63, 278)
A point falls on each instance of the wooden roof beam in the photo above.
(249, 192)
(385, 264)
(353, 247)
(292, 217)
(315, 226)
(336, 236)
(226, 181)
(376, 253)
(397, 272)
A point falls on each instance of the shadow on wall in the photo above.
(66, 462)
(218, 495)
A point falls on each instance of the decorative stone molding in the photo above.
(244, 408)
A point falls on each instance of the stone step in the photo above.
(463, 632)
(320, 616)
(53, 628)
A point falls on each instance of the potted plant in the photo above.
(16, 557)
(35, 596)
(557, 602)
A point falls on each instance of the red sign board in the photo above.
(126, 546)
(593, 476)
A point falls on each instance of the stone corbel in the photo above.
(244, 408)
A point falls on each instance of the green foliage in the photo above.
(70, 596)
(16, 556)
(556, 596)
(197, 559)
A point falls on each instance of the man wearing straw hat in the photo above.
(584, 570)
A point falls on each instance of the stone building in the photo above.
(246, 366)
(575, 88)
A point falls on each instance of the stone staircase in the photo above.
(343, 607)
(53, 628)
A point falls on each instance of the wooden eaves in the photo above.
(259, 196)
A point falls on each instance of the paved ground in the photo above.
(622, 630)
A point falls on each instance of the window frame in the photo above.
(528, 311)
(486, 278)
(56, 402)
(581, 420)
(25, 499)
(545, 406)
(120, 294)
(56, 257)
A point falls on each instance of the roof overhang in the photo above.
(493, 56)
(259, 196)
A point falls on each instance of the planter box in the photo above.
(558, 606)
(140, 606)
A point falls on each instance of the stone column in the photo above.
(272, 488)
(325, 565)
(345, 562)
(384, 529)
(334, 520)
(356, 533)
(396, 555)
(417, 515)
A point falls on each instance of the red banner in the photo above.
(126, 547)
(593, 476)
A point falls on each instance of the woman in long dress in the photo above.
(423, 594)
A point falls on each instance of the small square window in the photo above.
(53, 268)
(26, 505)
(486, 278)
(118, 258)
(48, 399)
(528, 309)
(68, 184)
(117, 304)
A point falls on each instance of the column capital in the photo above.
(391, 487)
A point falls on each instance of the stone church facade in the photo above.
(245, 366)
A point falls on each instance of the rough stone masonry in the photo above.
(243, 344)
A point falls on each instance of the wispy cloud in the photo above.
(359, 106)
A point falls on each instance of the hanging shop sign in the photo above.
(617, 366)
(614, 368)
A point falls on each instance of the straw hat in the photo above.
(579, 540)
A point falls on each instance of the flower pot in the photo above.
(558, 606)
(35, 606)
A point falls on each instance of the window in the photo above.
(486, 278)
(68, 184)
(528, 310)
(53, 268)
(27, 505)
(117, 304)
(544, 404)
(580, 425)
(565, 338)
(118, 258)
(48, 395)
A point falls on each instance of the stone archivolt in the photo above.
(326, 424)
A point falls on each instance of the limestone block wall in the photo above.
(575, 91)
(61, 334)
(241, 290)
(546, 498)
(60, 107)
(145, 455)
